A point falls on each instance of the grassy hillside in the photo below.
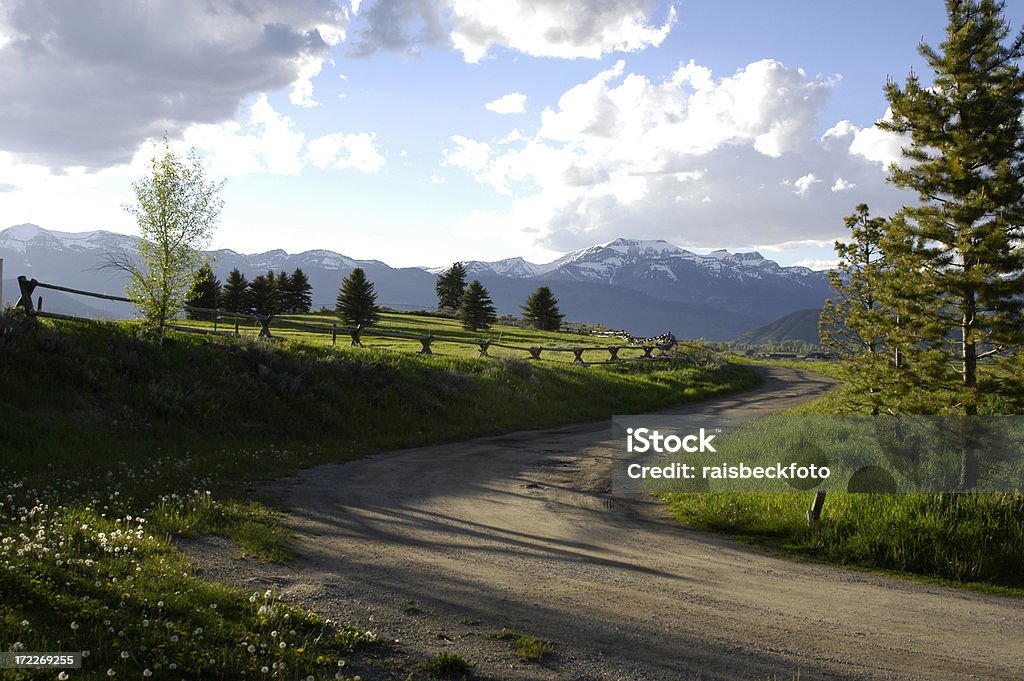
(801, 325)
(109, 445)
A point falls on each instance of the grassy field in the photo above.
(974, 539)
(110, 446)
(284, 327)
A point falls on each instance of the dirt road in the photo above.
(440, 546)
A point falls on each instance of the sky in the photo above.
(420, 132)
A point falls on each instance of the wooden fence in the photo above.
(664, 344)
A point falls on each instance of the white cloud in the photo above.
(514, 102)
(540, 28)
(818, 264)
(346, 150)
(468, 154)
(268, 142)
(804, 183)
(302, 89)
(696, 159)
(551, 28)
(842, 185)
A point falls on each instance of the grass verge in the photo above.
(975, 540)
(110, 445)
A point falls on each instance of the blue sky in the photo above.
(420, 132)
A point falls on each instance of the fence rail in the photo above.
(664, 344)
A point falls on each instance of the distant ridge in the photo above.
(645, 287)
(801, 325)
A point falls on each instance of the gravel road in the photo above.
(440, 547)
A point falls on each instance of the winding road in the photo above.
(439, 547)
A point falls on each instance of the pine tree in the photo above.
(541, 310)
(451, 284)
(263, 294)
(357, 301)
(300, 292)
(205, 293)
(283, 284)
(234, 296)
(966, 162)
(476, 309)
(960, 244)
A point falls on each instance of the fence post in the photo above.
(814, 512)
(579, 355)
(265, 326)
(535, 353)
(613, 350)
(647, 351)
(484, 345)
(27, 288)
(355, 333)
(236, 327)
(425, 341)
(334, 333)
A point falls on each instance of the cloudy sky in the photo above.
(419, 132)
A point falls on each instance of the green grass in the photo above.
(528, 648)
(110, 446)
(447, 666)
(971, 539)
(435, 326)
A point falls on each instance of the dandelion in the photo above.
(124, 654)
(147, 673)
(159, 604)
(282, 645)
(74, 626)
(63, 676)
(251, 648)
(172, 666)
(24, 623)
(111, 672)
(264, 669)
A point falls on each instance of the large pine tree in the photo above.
(357, 301)
(234, 295)
(960, 245)
(451, 284)
(541, 310)
(476, 309)
(263, 294)
(300, 292)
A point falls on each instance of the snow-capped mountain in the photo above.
(647, 287)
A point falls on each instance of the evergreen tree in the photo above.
(234, 296)
(263, 294)
(960, 245)
(476, 309)
(357, 301)
(300, 292)
(205, 293)
(541, 310)
(451, 284)
(283, 284)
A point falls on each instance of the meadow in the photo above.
(971, 539)
(112, 446)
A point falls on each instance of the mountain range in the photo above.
(645, 287)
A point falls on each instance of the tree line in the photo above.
(356, 304)
(267, 294)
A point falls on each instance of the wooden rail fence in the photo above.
(664, 344)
